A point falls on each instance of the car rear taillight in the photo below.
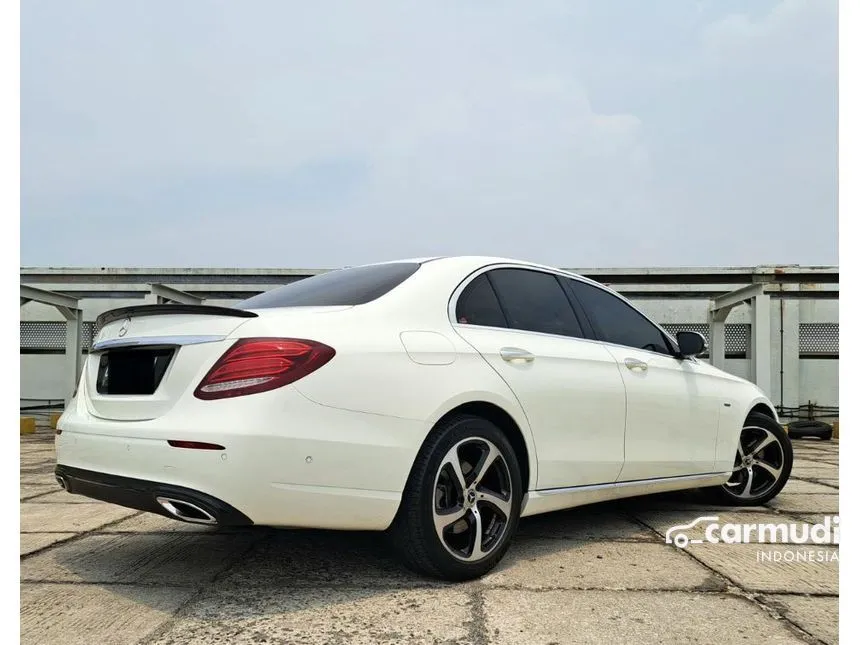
(260, 364)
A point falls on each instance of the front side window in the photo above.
(535, 301)
(617, 322)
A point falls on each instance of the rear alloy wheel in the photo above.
(472, 499)
(462, 502)
(762, 464)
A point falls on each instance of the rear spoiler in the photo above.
(138, 311)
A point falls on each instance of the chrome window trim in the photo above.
(458, 291)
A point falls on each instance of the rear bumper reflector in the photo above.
(195, 445)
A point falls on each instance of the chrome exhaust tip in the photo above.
(61, 482)
(186, 511)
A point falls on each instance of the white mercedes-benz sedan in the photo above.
(439, 400)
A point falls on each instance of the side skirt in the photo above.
(555, 499)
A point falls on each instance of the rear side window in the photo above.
(355, 286)
(617, 322)
(535, 301)
(478, 305)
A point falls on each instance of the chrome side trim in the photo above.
(554, 499)
(632, 482)
(143, 341)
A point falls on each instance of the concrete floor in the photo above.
(96, 573)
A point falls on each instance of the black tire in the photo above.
(413, 533)
(726, 494)
(807, 428)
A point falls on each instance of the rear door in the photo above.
(523, 323)
(672, 410)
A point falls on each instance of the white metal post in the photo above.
(760, 359)
(719, 311)
(163, 294)
(74, 361)
(69, 308)
(790, 363)
(717, 340)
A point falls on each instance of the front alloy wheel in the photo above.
(758, 463)
(762, 463)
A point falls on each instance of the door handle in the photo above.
(635, 365)
(516, 354)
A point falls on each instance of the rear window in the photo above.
(478, 305)
(355, 286)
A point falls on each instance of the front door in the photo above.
(671, 422)
(672, 413)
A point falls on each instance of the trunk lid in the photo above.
(144, 358)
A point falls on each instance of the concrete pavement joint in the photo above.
(619, 540)
(32, 497)
(80, 535)
(106, 583)
(794, 515)
(812, 480)
(183, 609)
(698, 590)
(736, 589)
(760, 601)
(477, 626)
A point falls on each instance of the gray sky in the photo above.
(321, 134)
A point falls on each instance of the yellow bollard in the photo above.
(28, 425)
(54, 418)
(836, 429)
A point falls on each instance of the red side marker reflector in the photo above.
(195, 445)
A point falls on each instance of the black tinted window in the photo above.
(535, 301)
(355, 286)
(616, 321)
(478, 305)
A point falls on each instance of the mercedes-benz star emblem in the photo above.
(123, 328)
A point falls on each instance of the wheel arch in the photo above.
(762, 406)
(511, 422)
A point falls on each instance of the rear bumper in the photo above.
(142, 495)
(287, 461)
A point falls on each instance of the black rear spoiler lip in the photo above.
(138, 311)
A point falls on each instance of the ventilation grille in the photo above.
(819, 339)
(737, 335)
(51, 336)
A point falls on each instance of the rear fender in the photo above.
(508, 405)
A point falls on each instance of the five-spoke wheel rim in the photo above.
(759, 462)
(472, 499)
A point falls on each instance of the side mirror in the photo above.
(691, 343)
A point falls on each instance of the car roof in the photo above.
(473, 262)
(469, 263)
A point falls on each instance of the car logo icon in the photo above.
(676, 536)
(123, 328)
